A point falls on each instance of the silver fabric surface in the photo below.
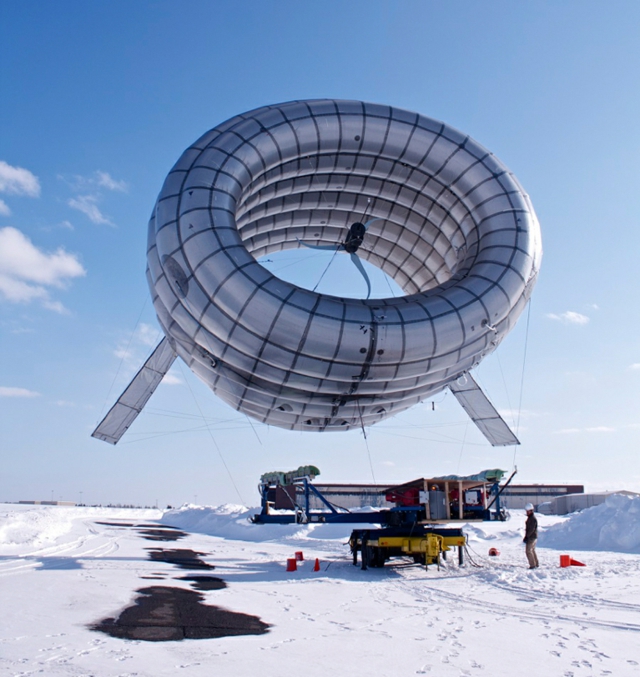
(482, 412)
(453, 228)
(125, 411)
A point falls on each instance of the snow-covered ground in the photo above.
(61, 571)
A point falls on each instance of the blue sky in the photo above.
(98, 100)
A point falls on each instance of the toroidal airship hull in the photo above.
(448, 222)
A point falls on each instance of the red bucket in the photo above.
(291, 564)
(299, 556)
(565, 561)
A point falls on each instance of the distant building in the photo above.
(516, 496)
(65, 503)
(563, 505)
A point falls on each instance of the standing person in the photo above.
(531, 536)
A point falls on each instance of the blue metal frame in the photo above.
(302, 514)
(402, 516)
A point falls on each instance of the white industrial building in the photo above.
(563, 505)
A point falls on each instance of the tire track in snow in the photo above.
(587, 600)
(70, 550)
(498, 608)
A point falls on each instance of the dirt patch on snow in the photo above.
(164, 614)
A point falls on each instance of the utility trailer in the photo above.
(426, 544)
(414, 528)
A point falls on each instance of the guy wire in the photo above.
(524, 360)
(366, 444)
(215, 444)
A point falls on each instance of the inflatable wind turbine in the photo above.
(423, 202)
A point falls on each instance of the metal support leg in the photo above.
(365, 552)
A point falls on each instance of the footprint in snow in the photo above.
(599, 655)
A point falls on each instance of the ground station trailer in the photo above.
(415, 527)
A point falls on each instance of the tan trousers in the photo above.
(531, 553)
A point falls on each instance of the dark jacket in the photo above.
(531, 529)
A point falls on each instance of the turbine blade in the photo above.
(483, 413)
(370, 221)
(363, 272)
(323, 247)
(124, 412)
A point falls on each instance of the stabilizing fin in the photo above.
(482, 412)
(363, 272)
(124, 412)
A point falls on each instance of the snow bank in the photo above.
(33, 527)
(490, 531)
(614, 526)
(233, 522)
(25, 528)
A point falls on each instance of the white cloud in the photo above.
(130, 350)
(514, 414)
(107, 181)
(595, 429)
(4, 209)
(148, 335)
(635, 366)
(98, 179)
(26, 272)
(17, 392)
(172, 380)
(56, 306)
(90, 191)
(18, 181)
(87, 204)
(569, 317)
